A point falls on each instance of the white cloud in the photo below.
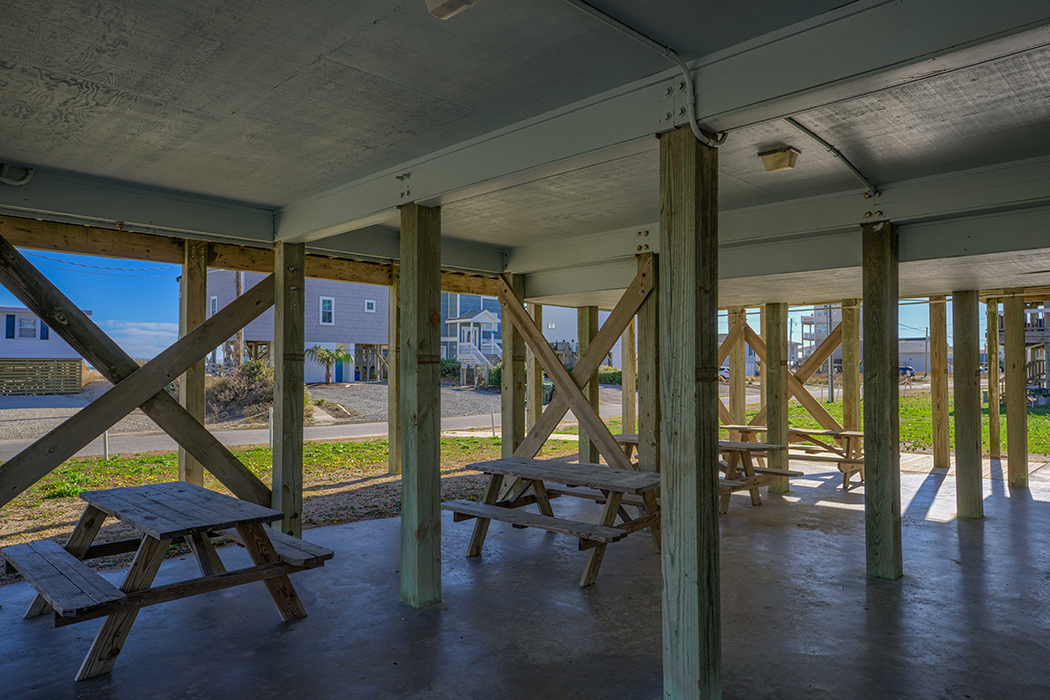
(141, 339)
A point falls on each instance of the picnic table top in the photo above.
(595, 476)
(797, 431)
(170, 510)
(724, 445)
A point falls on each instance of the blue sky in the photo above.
(137, 303)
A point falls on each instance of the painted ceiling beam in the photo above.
(854, 50)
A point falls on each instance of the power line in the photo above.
(98, 267)
(104, 274)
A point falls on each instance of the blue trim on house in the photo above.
(10, 327)
(44, 333)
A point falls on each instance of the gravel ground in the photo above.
(367, 400)
(31, 417)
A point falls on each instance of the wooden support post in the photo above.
(851, 364)
(763, 328)
(587, 328)
(649, 453)
(288, 391)
(939, 380)
(512, 377)
(1016, 392)
(689, 395)
(966, 336)
(777, 370)
(393, 374)
(533, 375)
(737, 370)
(193, 310)
(628, 375)
(421, 405)
(238, 340)
(882, 497)
(994, 399)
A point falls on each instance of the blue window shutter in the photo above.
(43, 331)
(10, 326)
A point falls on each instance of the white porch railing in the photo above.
(470, 354)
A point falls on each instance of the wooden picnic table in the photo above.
(841, 447)
(537, 481)
(162, 513)
(741, 473)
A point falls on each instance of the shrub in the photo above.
(248, 390)
(450, 368)
(496, 375)
(609, 375)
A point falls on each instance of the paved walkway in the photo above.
(161, 442)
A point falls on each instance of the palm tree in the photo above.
(328, 358)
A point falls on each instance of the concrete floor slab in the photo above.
(969, 619)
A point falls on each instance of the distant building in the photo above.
(33, 360)
(339, 315)
(471, 329)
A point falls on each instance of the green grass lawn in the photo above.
(917, 426)
(88, 473)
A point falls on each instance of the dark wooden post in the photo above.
(851, 364)
(587, 327)
(689, 390)
(420, 405)
(939, 380)
(738, 369)
(649, 374)
(288, 391)
(967, 387)
(512, 377)
(882, 488)
(1016, 391)
(193, 310)
(776, 370)
(628, 381)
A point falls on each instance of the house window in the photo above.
(327, 311)
(370, 306)
(26, 327)
(214, 306)
(550, 326)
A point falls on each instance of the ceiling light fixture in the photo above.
(780, 159)
(443, 9)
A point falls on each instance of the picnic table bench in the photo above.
(528, 485)
(161, 513)
(841, 447)
(741, 473)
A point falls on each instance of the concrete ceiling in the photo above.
(267, 103)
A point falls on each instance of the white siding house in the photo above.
(33, 358)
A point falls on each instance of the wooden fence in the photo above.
(35, 376)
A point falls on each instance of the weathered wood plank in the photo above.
(590, 475)
(512, 377)
(259, 547)
(939, 380)
(533, 375)
(737, 367)
(628, 379)
(689, 426)
(1016, 393)
(967, 387)
(851, 364)
(882, 496)
(288, 384)
(393, 386)
(994, 398)
(420, 405)
(776, 367)
(27, 467)
(78, 545)
(114, 631)
(649, 372)
(517, 516)
(586, 329)
(292, 550)
(597, 554)
(65, 318)
(63, 581)
(193, 310)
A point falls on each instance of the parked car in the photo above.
(723, 374)
(907, 371)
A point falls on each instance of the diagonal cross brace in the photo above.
(569, 394)
(62, 315)
(796, 387)
(34, 462)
